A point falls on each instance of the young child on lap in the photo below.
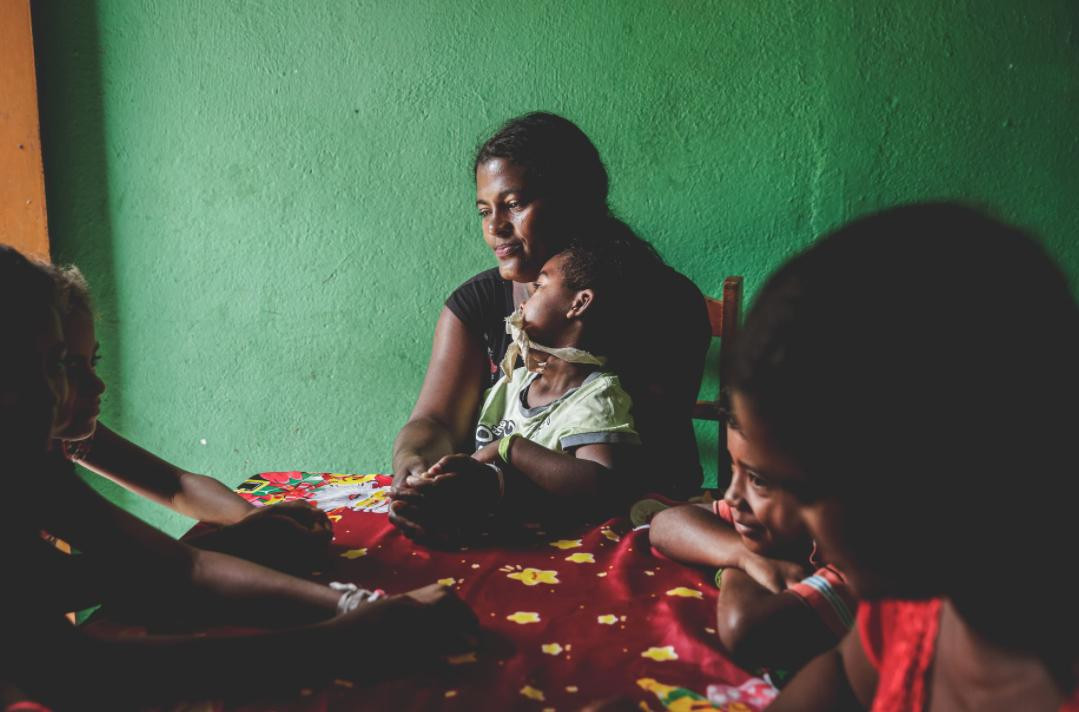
(558, 428)
(778, 606)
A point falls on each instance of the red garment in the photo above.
(826, 592)
(900, 640)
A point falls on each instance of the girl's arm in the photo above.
(142, 567)
(196, 496)
(692, 534)
(762, 628)
(59, 664)
(840, 679)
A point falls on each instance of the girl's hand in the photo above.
(774, 574)
(291, 536)
(433, 614)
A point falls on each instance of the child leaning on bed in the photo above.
(779, 605)
(559, 430)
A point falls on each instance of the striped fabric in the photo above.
(827, 593)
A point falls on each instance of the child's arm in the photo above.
(591, 471)
(196, 496)
(840, 679)
(694, 535)
(761, 628)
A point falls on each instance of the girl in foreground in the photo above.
(910, 384)
(125, 562)
(290, 536)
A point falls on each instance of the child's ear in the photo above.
(581, 301)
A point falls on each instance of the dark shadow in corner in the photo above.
(67, 51)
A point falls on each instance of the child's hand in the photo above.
(774, 574)
(488, 453)
(458, 481)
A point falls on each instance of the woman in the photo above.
(910, 384)
(126, 563)
(539, 179)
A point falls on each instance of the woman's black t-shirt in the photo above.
(667, 335)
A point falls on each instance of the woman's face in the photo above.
(518, 224)
(84, 386)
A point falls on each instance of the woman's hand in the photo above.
(774, 574)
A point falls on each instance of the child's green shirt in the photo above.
(597, 411)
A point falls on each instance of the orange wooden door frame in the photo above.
(23, 221)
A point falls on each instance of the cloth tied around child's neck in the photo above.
(526, 348)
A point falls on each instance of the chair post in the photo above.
(732, 306)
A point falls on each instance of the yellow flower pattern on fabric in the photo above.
(376, 497)
(532, 693)
(660, 654)
(684, 592)
(551, 648)
(534, 577)
(354, 553)
(608, 619)
(609, 533)
(341, 480)
(523, 617)
(581, 558)
(566, 543)
(447, 581)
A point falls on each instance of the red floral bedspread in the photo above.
(587, 615)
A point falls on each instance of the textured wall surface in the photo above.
(272, 199)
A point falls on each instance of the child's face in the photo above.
(546, 311)
(765, 517)
(856, 539)
(84, 387)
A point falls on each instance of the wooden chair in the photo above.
(724, 315)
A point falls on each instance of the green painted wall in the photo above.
(272, 199)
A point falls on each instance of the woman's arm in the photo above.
(841, 679)
(762, 628)
(443, 417)
(190, 494)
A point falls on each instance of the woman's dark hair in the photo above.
(556, 154)
(922, 364)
